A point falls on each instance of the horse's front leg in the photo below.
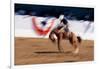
(51, 37)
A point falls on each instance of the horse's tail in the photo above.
(79, 39)
(51, 37)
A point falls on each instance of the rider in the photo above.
(63, 25)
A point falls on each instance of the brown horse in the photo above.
(73, 39)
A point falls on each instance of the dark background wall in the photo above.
(78, 13)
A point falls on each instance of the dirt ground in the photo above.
(40, 51)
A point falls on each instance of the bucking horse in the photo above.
(73, 39)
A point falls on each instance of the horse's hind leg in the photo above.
(59, 43)
(74, 41)
(76, 47)
(76, 51)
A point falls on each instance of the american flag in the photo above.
(42, 25)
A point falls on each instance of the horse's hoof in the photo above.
(75, 52)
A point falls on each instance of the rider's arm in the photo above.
(62, 29)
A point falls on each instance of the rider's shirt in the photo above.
(63, 23)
